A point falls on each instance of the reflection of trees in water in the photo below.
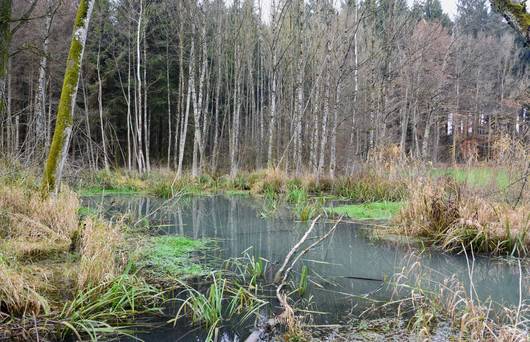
(350, 252)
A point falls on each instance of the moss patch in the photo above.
(172, 257)
(368, 211)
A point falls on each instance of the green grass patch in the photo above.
(173, 257)
(368, 211)
(476, 176)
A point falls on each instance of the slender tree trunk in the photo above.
(63, 125)
(333, 154)
(184, 125)
(5, 37)
(216, 119)
(197, 106)
(100, 108)
(147, 137)
(40, 96)
(180, 114)
(139, 147)
(168, 89)
(91, 159)
(325, 114)
(234, 132)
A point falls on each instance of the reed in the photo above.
(99, 252)
(448, 301)
(445, 214)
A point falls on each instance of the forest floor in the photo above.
(66, 270)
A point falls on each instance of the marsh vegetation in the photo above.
(280, 170)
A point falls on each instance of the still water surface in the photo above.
(347, 265)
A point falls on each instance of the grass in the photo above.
(99, 245)
(368, 211)
(221, 302)
(448, 301)
(63, 269)
(112, 301)
(480, 176)
(446, 214)
(171, 257)
(362, 187)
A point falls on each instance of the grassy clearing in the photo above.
(368, 211)
(172, 257)
(476, 176)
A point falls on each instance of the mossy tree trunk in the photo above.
(64, 119)
(516, 14)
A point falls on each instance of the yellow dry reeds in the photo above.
(17, 295)
(25, 214)
(99, 244)
(446, 215)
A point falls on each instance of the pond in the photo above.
(349, 265)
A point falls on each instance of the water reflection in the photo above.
(346, 265)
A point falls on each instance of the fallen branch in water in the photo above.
(278, 276)
(286, 317)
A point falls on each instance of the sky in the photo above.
(449, 6)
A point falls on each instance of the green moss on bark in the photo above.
(516, 14)
(71, 78)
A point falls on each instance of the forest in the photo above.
(265, 170)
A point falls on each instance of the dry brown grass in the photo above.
(25, 214)
(449, 301)
(17, 295)
(99, 245)
(447, 215)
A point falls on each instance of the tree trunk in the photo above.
(324, 132)
(5, 37)
(138, 111)
(184, 125)
(63, 125)
(100, 108)
(40, 96)
(333, 154)
(168, 89)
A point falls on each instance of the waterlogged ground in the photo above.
(349, 272)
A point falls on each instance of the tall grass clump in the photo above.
(120, 181)
(99, 252)
(18, 296)
(446, 214)
(32, 227)
(221, 302)
(102, 308)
